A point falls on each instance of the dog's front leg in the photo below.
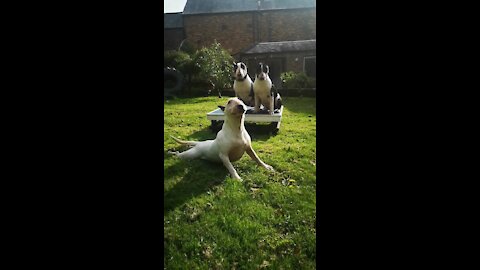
(270, 103)
(230, 168)
(254, 156)
(257, 104)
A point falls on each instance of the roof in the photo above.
(172, 20)
(282, 46)
(217, 6)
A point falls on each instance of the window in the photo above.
(310, 66)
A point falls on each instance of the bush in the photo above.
(207, 68)
(213, 64)
(297, 80)
(177, 59)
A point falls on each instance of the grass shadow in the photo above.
(201, 176)
(260, 132)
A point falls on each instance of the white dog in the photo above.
(262, 89)
(243, 85)
(229, 145)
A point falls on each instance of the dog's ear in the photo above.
(259, 68)
(221, 107)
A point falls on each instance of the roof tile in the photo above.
(217, 6)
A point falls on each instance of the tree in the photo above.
(213, 64)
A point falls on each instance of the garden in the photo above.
(212, 221)
(207, 71)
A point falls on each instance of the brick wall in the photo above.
(283, 25)
(172, 38)
(235, 31)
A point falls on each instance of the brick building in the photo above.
(173, 31)
(281, 33)
(281, 56)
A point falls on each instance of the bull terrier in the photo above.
(262, 89)
(231, 143)
(243, 85)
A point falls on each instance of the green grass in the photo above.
(212, 221)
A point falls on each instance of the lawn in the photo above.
(212, 221)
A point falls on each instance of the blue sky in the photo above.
(170, 6)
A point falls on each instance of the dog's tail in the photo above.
(184, 142)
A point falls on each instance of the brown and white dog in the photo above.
(231, 143)
(243, 85)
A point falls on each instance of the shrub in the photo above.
(212, 64)
(297, 80)
(177, 59)
(205, 68)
